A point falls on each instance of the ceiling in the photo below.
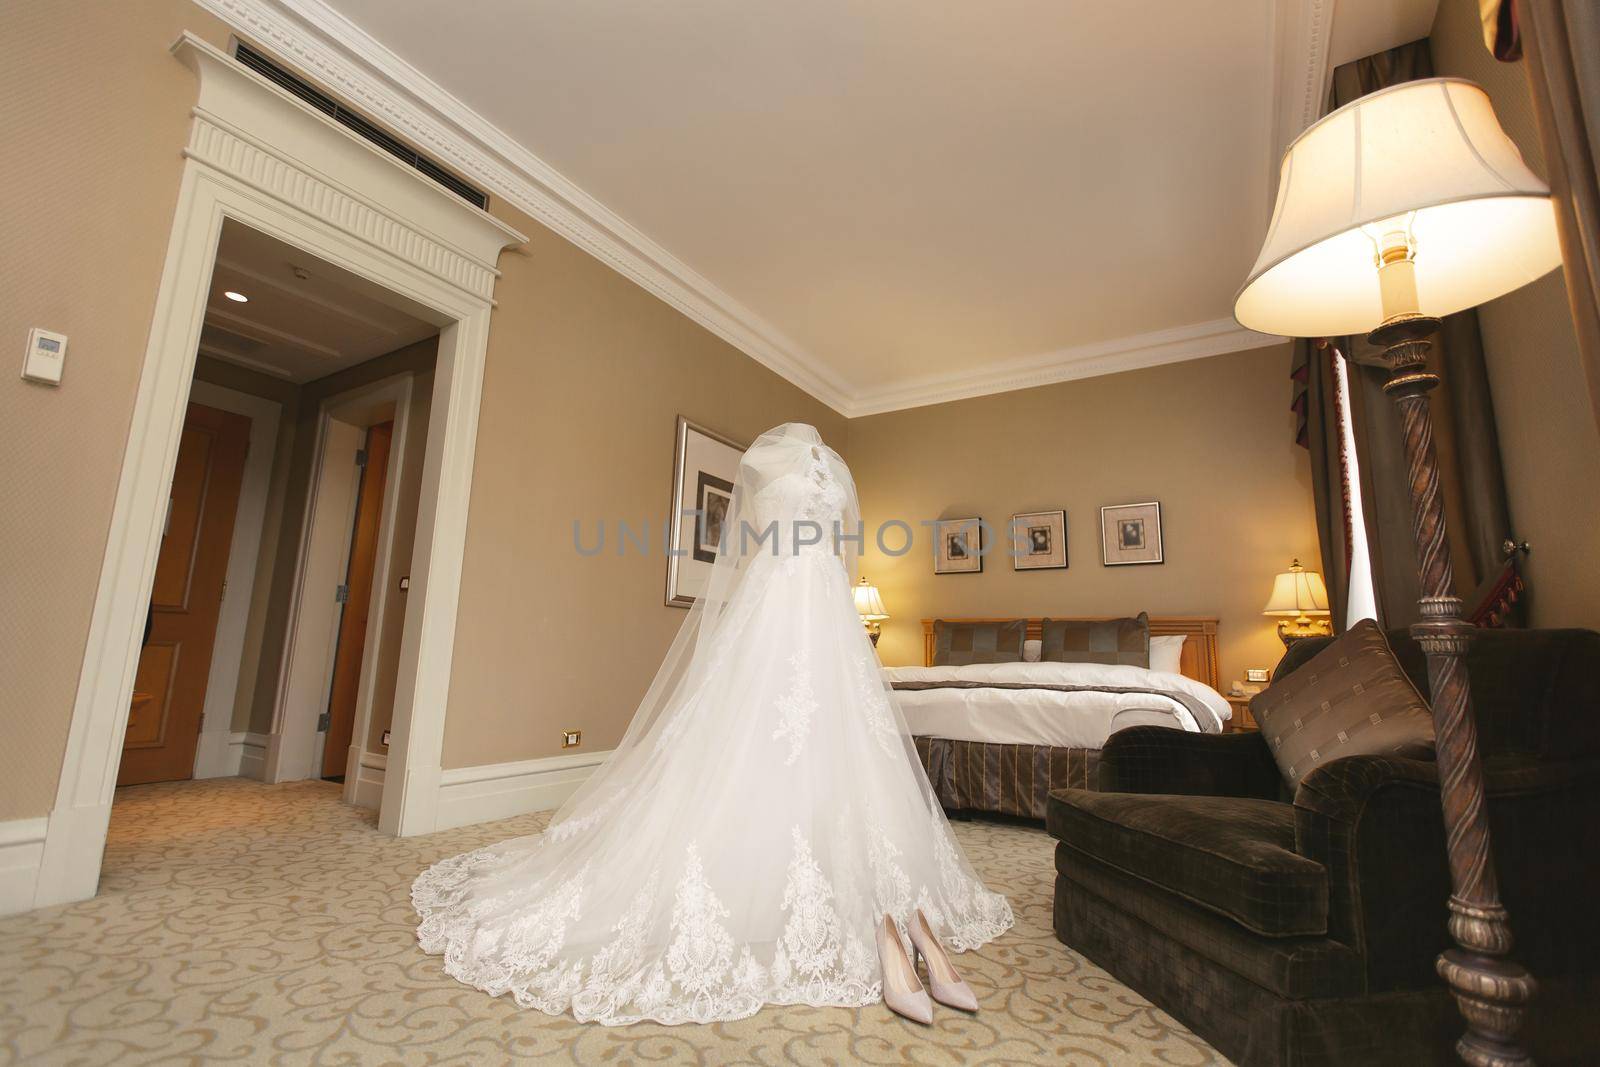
(898, 201)
(304, 318)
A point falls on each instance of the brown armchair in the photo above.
(1303, 929)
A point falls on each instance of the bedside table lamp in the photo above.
(1299, 594)
(869, 605)
(1403, 206)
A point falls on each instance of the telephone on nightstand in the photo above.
(1239, 689)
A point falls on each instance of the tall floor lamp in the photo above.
(1395, 210)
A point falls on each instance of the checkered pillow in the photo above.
(1352, 698)
(958, 643)
(1125, 641)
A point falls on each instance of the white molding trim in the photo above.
(493, 791)
(253, 752)
(364, 775)
(1068, 364)
(21, 852)
(305, 180)
(330, 49)
(215, 755)
(1300, 36)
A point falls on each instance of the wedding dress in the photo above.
(765, 808)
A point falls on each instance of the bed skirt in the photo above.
(1004, 779)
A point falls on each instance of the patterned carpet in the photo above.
(244, 923)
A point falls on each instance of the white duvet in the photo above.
(1045, 716)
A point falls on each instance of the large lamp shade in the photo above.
(1426, 158)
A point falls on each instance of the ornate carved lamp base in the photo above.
(1491, 990)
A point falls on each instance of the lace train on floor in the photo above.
(698, 973)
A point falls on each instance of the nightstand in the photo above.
(1242, 719)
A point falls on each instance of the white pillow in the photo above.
(1031, 651)
(1166, 654)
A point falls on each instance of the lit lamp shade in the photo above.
(1425, 157)
(869, 605)
(1297, 593)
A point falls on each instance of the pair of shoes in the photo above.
(902, 990)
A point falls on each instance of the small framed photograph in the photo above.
(1130, 533)
(958, 546)
(703, 468)
(712, 497)
(1039, 540)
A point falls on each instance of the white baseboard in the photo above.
(253, 749)
(368, 787)
(484, 793)
(21, 853)
(219, 754)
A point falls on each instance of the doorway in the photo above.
(315, 186)
(169, 686)
(225, 685)
(355, 600)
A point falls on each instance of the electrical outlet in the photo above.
(571, 738)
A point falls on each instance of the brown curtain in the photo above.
(1464, 433)
(1561, 41)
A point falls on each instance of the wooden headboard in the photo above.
(1199, 651)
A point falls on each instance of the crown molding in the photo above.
(327, 47)
(1067, 364)
(1301, 35)
(346, 59)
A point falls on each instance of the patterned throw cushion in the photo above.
(956, 643)
(1350, 699)
(1125, 641)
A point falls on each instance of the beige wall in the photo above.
(1210, 439)
(586, 376)
(1548, 438)
(90, 180)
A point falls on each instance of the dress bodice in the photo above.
(813, 496)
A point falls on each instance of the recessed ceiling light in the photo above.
(238, 297)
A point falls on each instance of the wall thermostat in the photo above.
(47, 351)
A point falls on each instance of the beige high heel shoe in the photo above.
(947, 986)
(902, 990)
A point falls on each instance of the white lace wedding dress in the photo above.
(764, 809)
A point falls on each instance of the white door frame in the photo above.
(295, 753)
(216, 756)
(259, 156)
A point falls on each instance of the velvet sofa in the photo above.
(1302, 929)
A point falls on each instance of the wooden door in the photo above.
(169, 688)
(353, 620)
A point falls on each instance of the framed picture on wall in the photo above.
(957, 546)
(1039, 541)
(1130, 533)
(703, 468)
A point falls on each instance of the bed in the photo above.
(998, 737)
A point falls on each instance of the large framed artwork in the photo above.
(1130, 533)
(957, 546)
(703, 468)
(1040, 541)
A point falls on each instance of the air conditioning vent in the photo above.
(358, 124)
